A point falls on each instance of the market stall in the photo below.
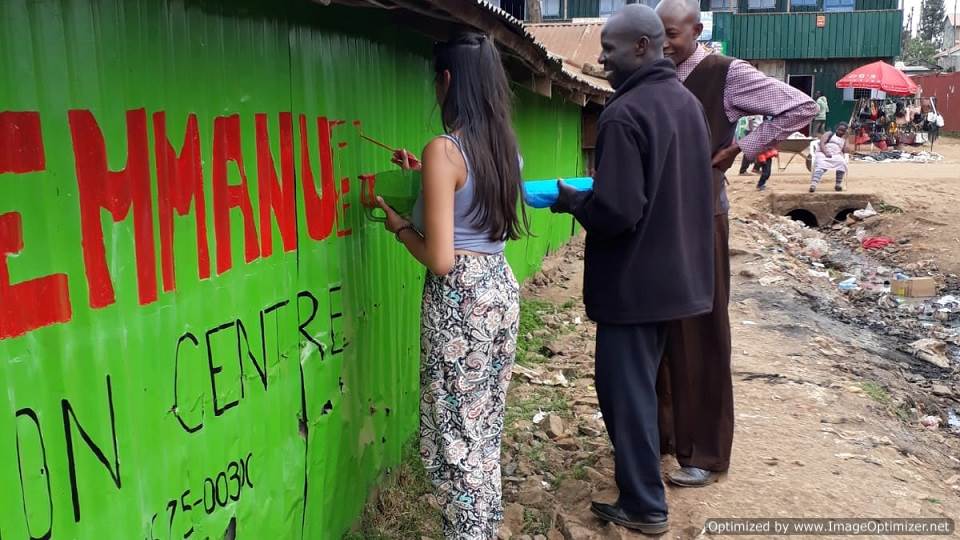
(894, 116)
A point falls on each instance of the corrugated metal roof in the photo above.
(578, 43)
(597, 84)
(792, 36)
(530, 32)
(948, 52)
(501, 25)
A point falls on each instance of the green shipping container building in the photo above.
(201, 335)
(814, 44)
(807, 43)
(868, 34)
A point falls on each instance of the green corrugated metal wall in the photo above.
(825, 76)
(868, 34)
(292, 376)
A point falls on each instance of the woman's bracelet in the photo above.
(401, 229)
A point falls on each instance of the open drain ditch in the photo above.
(838, 279)
(819, 209)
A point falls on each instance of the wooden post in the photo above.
(534, 15)
(541, 84)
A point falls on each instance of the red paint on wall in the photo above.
(321, 211)
(226, 148)
(280, 199)
(180, 188)
(33, 303)
(101, 188)
(21, 142)
(179, 184)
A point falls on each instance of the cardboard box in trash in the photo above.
(918, 287)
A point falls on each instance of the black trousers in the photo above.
(627, 360)
(746, 163)
(766, 169)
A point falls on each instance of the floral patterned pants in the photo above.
(468, 338)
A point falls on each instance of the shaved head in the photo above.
(635, 21)
(682, 9)
(681, 21)
(631, 39)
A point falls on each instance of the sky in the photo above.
(948, 6)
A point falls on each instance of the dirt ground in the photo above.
(827, 412)
(929, 194)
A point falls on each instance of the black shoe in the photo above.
(838, 187)
(813, 189)
(692, 477)
(651, 524)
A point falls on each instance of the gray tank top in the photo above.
(466, 235)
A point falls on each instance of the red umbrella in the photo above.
(879, 76)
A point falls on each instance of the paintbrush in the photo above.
(397, 158)
(366, 137)
(376, 142)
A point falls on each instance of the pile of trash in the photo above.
(911, 308)
(889, 156)
(841, 273)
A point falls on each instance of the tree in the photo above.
(931, 22)
(918, 51)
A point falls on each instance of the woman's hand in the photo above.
(394, 221)
(406, 161)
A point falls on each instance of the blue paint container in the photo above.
(543, 193)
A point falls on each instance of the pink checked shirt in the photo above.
(749, 92)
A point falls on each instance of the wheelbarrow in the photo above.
(794, 147)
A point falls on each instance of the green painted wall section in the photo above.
(866, 34)
(264, 398)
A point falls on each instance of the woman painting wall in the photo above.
(470, 312)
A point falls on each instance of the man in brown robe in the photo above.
(695, 388)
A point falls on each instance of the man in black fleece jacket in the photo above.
(649, 247)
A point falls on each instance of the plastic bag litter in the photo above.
(849, 284)
(815, 248)
(876, 242)
(948, 301)
(865, 212)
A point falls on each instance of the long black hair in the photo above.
(477, 106)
